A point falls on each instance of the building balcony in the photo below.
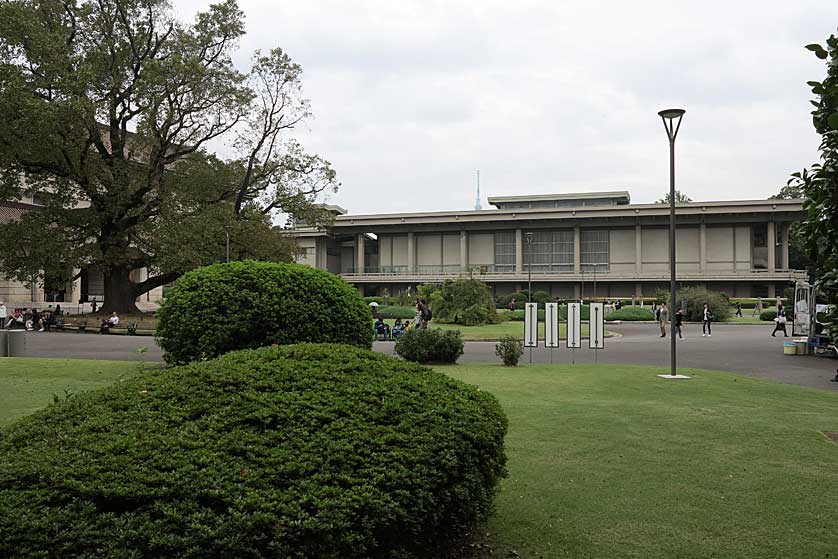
(557, 273)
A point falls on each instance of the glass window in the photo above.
(594, 248)
(550, 251)
(505, 251)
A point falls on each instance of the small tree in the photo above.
(819, 183)
(679, 198)
(462, 301)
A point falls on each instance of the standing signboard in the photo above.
(596, 328)
(574, 325)
(551, 325)
(531, 325)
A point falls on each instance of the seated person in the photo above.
(32, 319)
(45, 321)
(398, 328)
(381, 328)
(16, 319)
(106, 325)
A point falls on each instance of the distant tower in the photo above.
(477, 205)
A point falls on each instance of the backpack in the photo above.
(658, 314)
(427, 315)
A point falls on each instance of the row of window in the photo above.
(552, 251)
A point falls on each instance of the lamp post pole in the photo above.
(672, 123)
(529, 236)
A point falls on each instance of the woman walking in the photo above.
(780, 322)
(679, 322)
(707, 316)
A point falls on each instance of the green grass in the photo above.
(495, 331)
(612, 461)
(27, 385)
(748, 319)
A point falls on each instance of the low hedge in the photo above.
(768, 314)
(630, 313)
(388, 311)
(300, 451)
(430, 345)
(520, 315)
(245, 305)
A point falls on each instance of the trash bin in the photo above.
(16, 343)
(802, 346)
(4, 343)
(789, 348)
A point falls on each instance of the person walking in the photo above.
(780, 322)
(707, 316)
(679, 322)
(738, 309)
(757, 307)
(663, 316)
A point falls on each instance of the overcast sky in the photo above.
(412, 97)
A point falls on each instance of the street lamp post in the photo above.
(529, 237)
(672, 123)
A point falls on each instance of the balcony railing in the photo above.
(558, 271)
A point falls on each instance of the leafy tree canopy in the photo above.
(109, 110)
(819, 182)
(679, 198)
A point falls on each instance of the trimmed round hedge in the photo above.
(630, 313)
(245, 305)
(299, 451)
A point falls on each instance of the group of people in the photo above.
(420, 321)
(29, 319)
(662, 316)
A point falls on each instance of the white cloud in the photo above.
(411, 97)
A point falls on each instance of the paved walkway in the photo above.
(744, 349)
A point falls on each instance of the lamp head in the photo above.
(670, 114)
(672, 122)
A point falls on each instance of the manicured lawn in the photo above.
(27, 385)
(748, 319)
(613, 462)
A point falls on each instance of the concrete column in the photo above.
(702, 248)
(577, 251)
(638, 290)
(772, 292)
(519, 251)
(638, 249)
(772, 249)
(463, 251)
(784, 252)
(411, 253)
(359, 254)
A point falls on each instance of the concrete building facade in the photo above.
(570, 244)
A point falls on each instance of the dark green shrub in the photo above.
(695, 298)
(521, 297)
(509, 349)
(630, 313)
(521, 314)
(768, 314)
(387, 311)
(300, 451)
(243, 305)
(430, 345)
(462, 301)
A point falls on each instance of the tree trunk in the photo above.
(120, 294)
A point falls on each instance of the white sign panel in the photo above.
(574, 325)
(596, 328)
(531, 325)
(551, 325)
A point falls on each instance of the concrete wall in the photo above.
(719, 249)
(621, 251)
(743, 249)
(451, 249)
(481, 249)
(309, 245)
(428, 250)
(655, 249)
(687, 245)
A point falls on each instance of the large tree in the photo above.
(819, 183)
(109, 109)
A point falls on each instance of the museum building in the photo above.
(570, 245)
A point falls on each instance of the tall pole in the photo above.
(672, 357)
(227, 235)
(529, 238)
(672, 123)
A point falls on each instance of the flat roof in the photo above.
(610, 195)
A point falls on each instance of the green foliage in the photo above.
(679, 198)
(462, 301)
(768, 314)
(241, 305)
(630, 313)
(819, 184)
(521, 297)
(695, 298)
(520, 315)
(387, 311)
(108, 109)
(430, 345)
(509, 349)
(315, 451)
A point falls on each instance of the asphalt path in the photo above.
(738, 348)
